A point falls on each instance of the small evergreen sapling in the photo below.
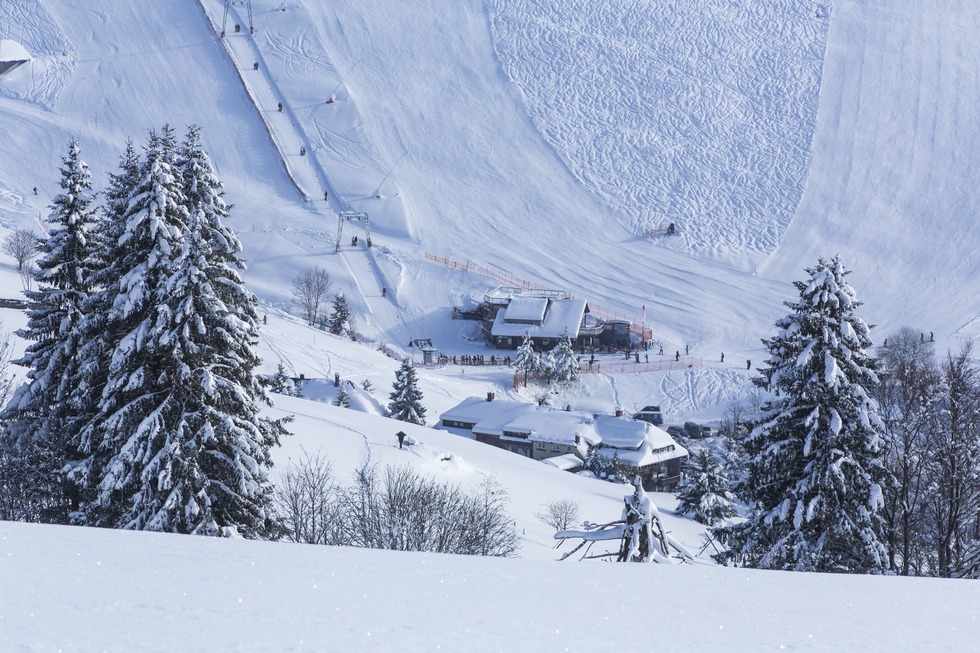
(707, 497)
(406, 398)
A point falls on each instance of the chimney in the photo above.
(619, 411)
(490, 396)
(578, 439)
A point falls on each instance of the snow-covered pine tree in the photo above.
(814, 449)
(282, 383)
(341, 319)
(35, 421)
(525, 360)
(343, 399)
(406, 398)
(706, 497)
(177, 444)
(566, 366)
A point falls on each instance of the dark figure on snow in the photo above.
(302, 151)
(661, 351)
(401, 438)
(931, 339)
(255, 66)
(279, 106)
(238, 28)
(671, 230)
(722, 357)
(384, 292)
(748, 364)
(35, 190)
(646, 358)
(326, 196)
(687, 349)
(677, 355)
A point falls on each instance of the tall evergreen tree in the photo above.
(814, 450)
(406, 398)
(176, 444)
(35, 419)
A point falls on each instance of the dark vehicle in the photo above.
(650, 414)
(677, 432)
(693, 429)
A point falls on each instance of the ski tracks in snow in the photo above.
(700, 112)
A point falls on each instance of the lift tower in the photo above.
(238, 3)
(347, 216)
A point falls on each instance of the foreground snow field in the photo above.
(76, 589)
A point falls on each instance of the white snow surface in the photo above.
(538, 141)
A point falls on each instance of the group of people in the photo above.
(475, 359)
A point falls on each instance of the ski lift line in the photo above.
(383, 179)
(249, 92)
(356, 63)
(319, 174)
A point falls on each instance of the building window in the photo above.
(541, 445)
(556, 447)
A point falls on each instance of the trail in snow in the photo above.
(700, 113)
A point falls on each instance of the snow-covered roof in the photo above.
(621, 432)
(13, 51)
(560, 316)
(565, 462)
(547, 424)
(473, 410)
(634, 441)
(526, 308)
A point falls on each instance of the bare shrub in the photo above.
(560, 514)
(306, 501)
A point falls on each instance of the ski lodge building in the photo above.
(545, 433)
(508, 313)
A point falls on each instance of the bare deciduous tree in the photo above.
(560, 514)
(310, 290)
(22, 245)
(306, 501)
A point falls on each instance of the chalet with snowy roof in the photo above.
(545, 432)
(12, 55)
(546, 315)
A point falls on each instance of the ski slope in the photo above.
(540, 140)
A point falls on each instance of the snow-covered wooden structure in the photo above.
(12, 55)
(542, 432)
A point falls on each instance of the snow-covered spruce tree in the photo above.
(707, 497)
(814, 449)
(35, 428)
(566, 367)
(176, 444)
(341, 319)
(406, 398)
(343, 399)
(525, 360)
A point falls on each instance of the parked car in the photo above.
(676, 432)
(705, 431)
(693, 429)
(650, 414)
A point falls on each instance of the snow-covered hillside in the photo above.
(540, 142)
